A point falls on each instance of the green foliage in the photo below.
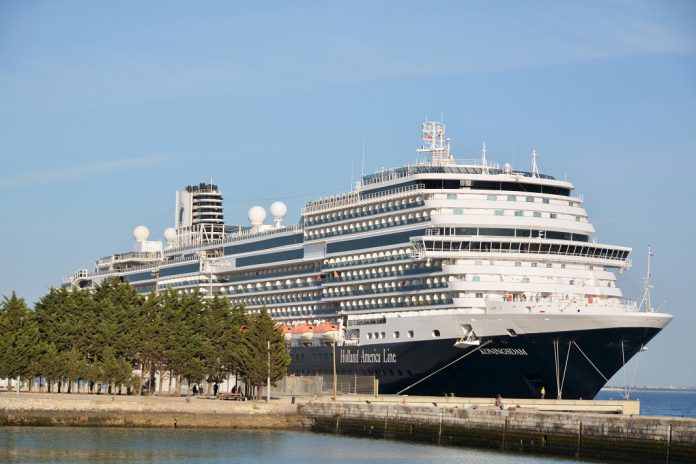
(19, 335)
(100, 336)
(258, 361)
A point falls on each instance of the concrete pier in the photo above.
(585, 435)
(603, 430)
(133, 411)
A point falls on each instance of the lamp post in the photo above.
(268, 379)
(334, 368)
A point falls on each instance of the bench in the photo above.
(231, 396)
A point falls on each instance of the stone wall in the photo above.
(90, 410)
(586, 436)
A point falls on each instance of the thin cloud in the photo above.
(77, 172)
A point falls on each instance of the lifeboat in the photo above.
(302, 332)
(326, 332)
(287, 333)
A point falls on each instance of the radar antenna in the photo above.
(535, 167)
(436, 144)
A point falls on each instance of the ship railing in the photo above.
(375, 226)
(346, 277)
(182, 259)
(137, 255)
(296, 273)
(386, 175)
(533, 246)
(315, 221)
(366, 261)
(353, 198)
(235, 237)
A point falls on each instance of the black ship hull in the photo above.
(579, 362)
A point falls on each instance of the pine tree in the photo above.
(257, 364)
(19, 337)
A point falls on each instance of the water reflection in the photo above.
(107, 445)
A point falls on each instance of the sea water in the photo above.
(658, 403)
(71, 445)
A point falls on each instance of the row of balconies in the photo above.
(363, 212)
(364, 226)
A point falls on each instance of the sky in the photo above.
(108, 108)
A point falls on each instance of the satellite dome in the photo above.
(278, 209)
(170, 234)
(141, 233)
(256, 215)
(507, 168)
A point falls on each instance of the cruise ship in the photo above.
(443, 277)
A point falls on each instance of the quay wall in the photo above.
(117, 411)
(581, 435)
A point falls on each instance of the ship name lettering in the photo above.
(348, 356)
(371, 357)
(505, 351)
(388, 356)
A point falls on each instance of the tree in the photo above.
(115, 371)
(233, 341)
(19, 337)
(261, 330)
(75, 366)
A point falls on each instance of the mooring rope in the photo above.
(445, 367)
(590, 361)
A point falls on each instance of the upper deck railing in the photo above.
(354, 198)
(237, 237)
(459, 166)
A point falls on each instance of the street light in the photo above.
(268, 379)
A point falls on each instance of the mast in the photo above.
(484, 162)
(648, 281)
(436, 144)
(535, 167)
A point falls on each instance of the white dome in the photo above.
(256, 215)
(279, 209)
(141, 233)
(507, 168)
(170, 234)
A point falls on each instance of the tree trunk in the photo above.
(142, 380)
(161, 380)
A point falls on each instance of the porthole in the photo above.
(410, 334)
(436, 333)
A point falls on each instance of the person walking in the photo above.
(543, 392)
(215, 389)
(499, 402)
